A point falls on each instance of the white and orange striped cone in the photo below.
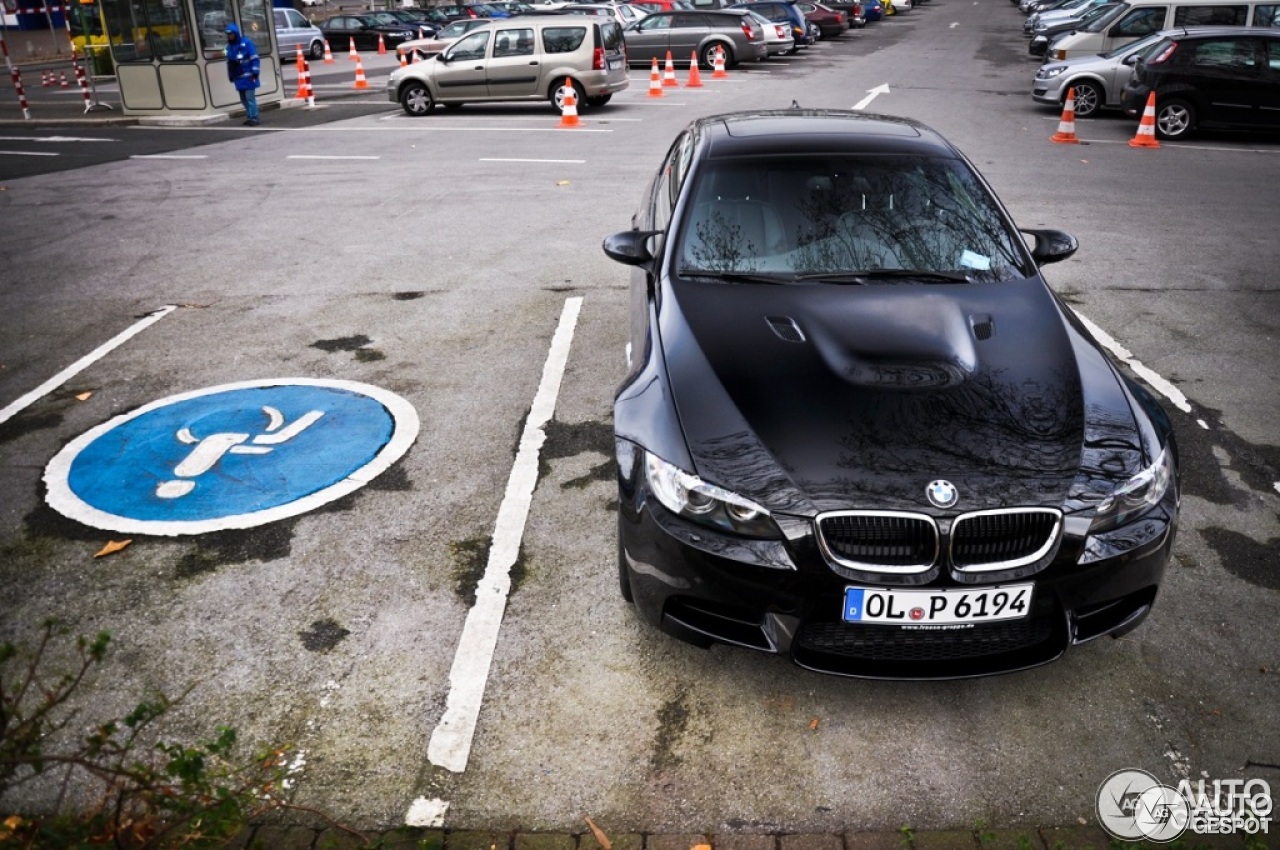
(669, 73)
(417, 57)
(328, 54)
(403, 61)
(1066, 134)
(655, 80)
(719, 73)
(46, 79)
(695, 78)
(361, 82)
(422, 33)
(569, 106)
(1146, 136)
(305, 92)
(351, 51)
(382, 46)
(297, 60)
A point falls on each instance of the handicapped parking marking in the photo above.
(231, 456)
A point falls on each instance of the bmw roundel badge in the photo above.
(942, 494)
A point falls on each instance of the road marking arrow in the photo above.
(883, 88)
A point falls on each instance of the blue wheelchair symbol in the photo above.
(233, 456)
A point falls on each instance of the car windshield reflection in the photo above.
(883, 219)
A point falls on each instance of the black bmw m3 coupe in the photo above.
(857, 425)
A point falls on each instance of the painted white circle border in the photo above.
(405, 426)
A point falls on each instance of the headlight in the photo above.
(693, 499)
(1135, 496)
(1049, 74)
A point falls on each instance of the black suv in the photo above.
(1226, 77)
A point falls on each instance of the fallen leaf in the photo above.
(700, 847)
(112, 547)
(1082, 821)
(601, 838)
(813, 725)
(1085, 161)
(83, 396)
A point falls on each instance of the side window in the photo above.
(469, 47)
(1224, 55)
(513, 42)
(1199, 16)
(688, 21)
(563, 39)
(1266, 16)
(282, 20)
(1142, 22)
(654, 23)
(669, 181)
(295, 19)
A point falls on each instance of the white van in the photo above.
(1134, 19)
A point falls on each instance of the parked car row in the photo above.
(1210, 63)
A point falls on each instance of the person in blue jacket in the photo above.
(242, 70)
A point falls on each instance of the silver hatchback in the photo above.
(1097, 80)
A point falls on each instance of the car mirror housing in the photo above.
(1052, 245)
(630, 247)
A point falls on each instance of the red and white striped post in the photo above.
(16, 76)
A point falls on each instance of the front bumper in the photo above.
(705, 587)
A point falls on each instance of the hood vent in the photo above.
(786, 328)
(984, 327)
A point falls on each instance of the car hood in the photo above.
(818, 397)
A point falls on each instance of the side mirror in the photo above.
(1052, 245)
(1130, 60)
(630, 247)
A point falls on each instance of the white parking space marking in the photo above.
(426, 813)
(28, 153)
(317, 156)
(1158, 383)
(552, 161)
(53, 139)
(168, 156)
(84, 362)
(507, 118)
(450, 745)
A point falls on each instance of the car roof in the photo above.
(763, 132)
(1213, 32)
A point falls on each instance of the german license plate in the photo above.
(614, 64)
(936, 607)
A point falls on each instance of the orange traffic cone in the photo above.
(328, 54)
(361, 82)
(1067, 126)
(569, 106)
(403, 61)
(46, 79)
(351, 54)
(305, 92)
(719, 73)
(669, 72)
(695, 79)
(382, 46)
(655, 80)
(62, 80)
(297, 60)
(1146, 136)
(417, 57)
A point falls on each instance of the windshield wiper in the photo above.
(740, 277)
(863, 276)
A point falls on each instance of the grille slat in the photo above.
(880, 541)
(992, 540)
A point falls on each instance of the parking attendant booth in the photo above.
(169, 55)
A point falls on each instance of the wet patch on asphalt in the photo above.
(565, 439)
(1246, 558)
(408, 296)
(323, 635)
(470, 557)
(219, 548)
(673, 720)
(358, 344)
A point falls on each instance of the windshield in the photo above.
(1133, 46)
(805, 217)
(1102, 17)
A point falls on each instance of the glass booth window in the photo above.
(214, 16)
(146, 30)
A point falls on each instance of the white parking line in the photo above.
(27, 153)
(450, 745)
(1158, 383)
(306, 156)
(168, 156)
(554, 161)
(84, 362)
(53, 139)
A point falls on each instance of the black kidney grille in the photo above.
(889, 643)
(879, 540)
(1013, 537)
